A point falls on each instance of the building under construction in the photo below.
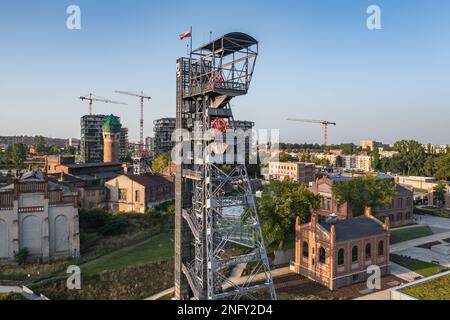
(217, 226)
(164, 129)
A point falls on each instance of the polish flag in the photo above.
(185, 35)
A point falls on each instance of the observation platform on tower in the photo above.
(222, 67)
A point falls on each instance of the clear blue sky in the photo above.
(317, 60)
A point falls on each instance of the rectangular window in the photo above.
(122, 194)
(137, 196)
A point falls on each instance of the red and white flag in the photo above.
(186, 34)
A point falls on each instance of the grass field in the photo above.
(437, 289)
(158, 248)
(410, 233)
(423, 268)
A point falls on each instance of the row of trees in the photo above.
(412, 159)
(15, 155)
(42, 148)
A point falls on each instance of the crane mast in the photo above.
(324, 123)
(141, 97)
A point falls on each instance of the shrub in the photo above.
(115, 226)
(93, 218)
(21, 256)
(136, 282)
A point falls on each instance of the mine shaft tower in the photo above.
(216, 223)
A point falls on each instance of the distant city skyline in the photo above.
(317, 60)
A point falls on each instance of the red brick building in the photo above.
(400, 211)
(337, 253)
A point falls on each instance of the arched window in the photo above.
(368, 251)
(322, 255)
(355, 254)
(381, 248)
(341, 257)
(305, 249)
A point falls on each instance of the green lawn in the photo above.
(410, 233)
(421, 267)
(158, 248)
(437, 289)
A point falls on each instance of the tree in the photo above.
(39, 145)
(71, 150)
(160, 162)
(362, 192)
(442, 167)
(429, 166)
(411, 156)
(285, 157)
(280, 204)
(439, 192)
(376, 159)
(18, 155)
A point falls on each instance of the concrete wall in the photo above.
(31, 224)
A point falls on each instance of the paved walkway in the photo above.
(420, 241)
(432, 221)
(403, 273)
(380, 295)
(161, 294)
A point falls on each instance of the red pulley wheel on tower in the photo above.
(219, 124)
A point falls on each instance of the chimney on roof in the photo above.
(332, 218)
(368, 212)
(387, 224)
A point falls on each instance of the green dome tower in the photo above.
(111, 138)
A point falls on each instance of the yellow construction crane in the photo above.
(141, 97)
(324, 123)
(91, 98)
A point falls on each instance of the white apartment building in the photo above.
(357, 163)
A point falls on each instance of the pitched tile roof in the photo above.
(150, 180)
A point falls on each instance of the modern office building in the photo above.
(124, 154)
(92, 138)
(163, 129)
(149, 144)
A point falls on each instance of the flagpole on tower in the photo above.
(191, 38)
(190, 60)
